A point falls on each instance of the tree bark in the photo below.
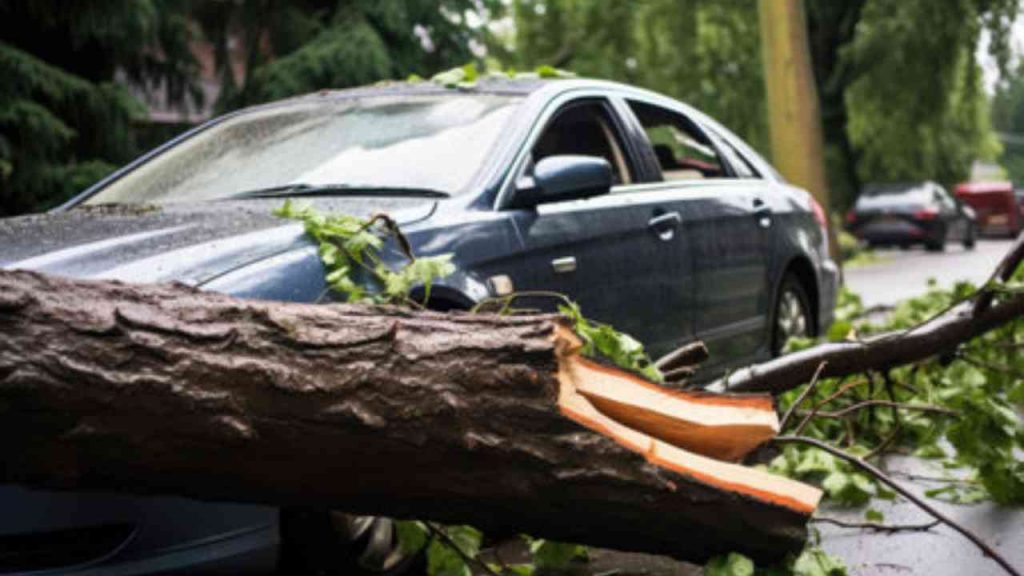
(447, 417)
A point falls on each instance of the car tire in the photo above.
(971, 238)
(937, 244)
(327, 543)
(792, 315)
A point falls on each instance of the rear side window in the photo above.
(683, 151)
(740, 165)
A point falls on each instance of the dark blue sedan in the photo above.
(651, 215)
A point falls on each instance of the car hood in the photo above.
(191, 244)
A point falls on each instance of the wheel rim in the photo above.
(791, 320)
(381, 550)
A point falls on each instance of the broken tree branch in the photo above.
(493, 421)
(803, 395)
(937, 336)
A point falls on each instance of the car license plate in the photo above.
(998, 219)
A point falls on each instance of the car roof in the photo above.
(982, 187)
(494, 85)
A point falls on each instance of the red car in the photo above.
(995, 205)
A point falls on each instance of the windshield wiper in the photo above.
(297, 190)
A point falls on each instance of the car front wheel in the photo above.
(327, 543)
(792, 318)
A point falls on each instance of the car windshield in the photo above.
(885, 195)
(381, 143)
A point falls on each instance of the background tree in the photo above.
(308, 45)
(902, 96)
(65, 120)
(1008, 119)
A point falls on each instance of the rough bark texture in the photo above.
(942, 334)
(163, 389)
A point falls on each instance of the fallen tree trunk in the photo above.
(485, 420)
(962, 323)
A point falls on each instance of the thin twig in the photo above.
(888, 481)
(507, 299)
(447, 540)
(990, 366)
(874, 403)
(889, 528)
(890, 390)
(814, 410)
(878, 450)
(803, 395)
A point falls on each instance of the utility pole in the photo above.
(794, 117)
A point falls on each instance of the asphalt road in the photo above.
(900, 274)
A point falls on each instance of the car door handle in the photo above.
(760, 208)
(664, 225)
(763, 213)
(564, 265)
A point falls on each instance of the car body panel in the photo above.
(904, 214)
(996, 206)
(713, 277)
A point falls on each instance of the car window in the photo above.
(683, 151)
(742, 168)
(437, 142)
(585, 129)
(944, 198)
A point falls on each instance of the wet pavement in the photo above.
(899, 274)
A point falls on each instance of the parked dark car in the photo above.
(651, 215)
(995, 205)
(911, 213)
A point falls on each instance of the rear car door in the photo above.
(619, 255)
(728, 224)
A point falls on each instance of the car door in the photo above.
(952, 214)
(618, 254)
(728, 224)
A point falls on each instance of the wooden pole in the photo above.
(794, 117)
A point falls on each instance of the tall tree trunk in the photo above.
(452, 417)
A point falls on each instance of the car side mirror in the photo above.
(561, 178)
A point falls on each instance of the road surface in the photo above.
(896, 275)
(900, 274)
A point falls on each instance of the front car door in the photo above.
(728, 225)
(617, 254)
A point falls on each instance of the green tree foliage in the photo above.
(902, 97)
(308, 45)
(704, 52)
(64, 120)
(900, 90)
(1008, 118)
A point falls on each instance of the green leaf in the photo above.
(815, 562)
(555, 556)
(839, 330)
(412, 535)
(732, 565)
(872, 515)
(443, 560)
